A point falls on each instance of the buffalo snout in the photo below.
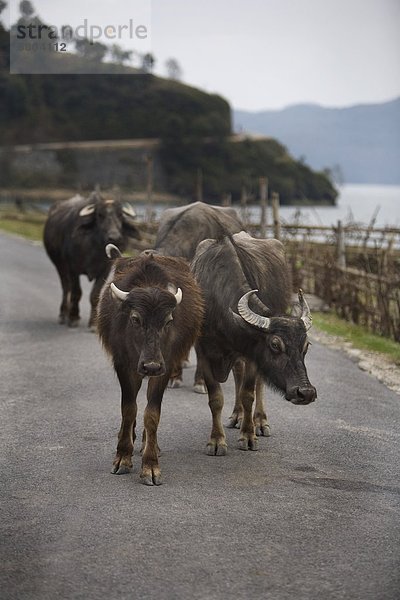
(151, 369)
(302, 395)
(115, 238)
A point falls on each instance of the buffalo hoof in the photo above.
(175, 383)
(200, 388)
(151, 476)
(234, 421)
(121, 465)
(214, 449)
(122, 470)
(62, 320)
(73, 323)
(263, 430)
(248, 444)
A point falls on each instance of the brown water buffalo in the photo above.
(246, 288)
(75, 235)
(149, 315)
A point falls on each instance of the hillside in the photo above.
(363, 140)
(192, 126)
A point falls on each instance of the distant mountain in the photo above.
(363, 140)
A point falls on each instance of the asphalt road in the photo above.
(313, 515)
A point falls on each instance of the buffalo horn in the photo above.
(87, 210)
(119, 293)
(112, 251)
(248, 315)
(305, 311)
(177, 293)
(128, 210)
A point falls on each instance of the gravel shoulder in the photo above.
(374, 363)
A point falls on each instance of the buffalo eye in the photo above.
(168, 320)
(277, 345)
(135, 317)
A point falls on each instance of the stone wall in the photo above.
(82, 164)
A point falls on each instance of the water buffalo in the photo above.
(246, 288)
(75, 235)
(180, 231)
(149, 315)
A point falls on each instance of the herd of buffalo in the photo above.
(206, 283)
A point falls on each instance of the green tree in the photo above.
(174, 70)
(148, 62)
(94, 52)
(119, 55)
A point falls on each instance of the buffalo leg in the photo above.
(235, 420)
(94, 299)
(199, 386)
(151, 472)
(216, 445)
(260, 418)
(176, 380)
(130, 383)
(66, 288)
(64, 308)
(76, 294)
(248, 439)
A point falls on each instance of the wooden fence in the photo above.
(356, 271)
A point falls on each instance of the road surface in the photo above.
(313, 515)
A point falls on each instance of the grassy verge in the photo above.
(28, 225)
(357, 335)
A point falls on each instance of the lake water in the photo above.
(356, 203)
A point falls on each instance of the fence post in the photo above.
(243, 205)
(149, 207)
(275, 215)
(341, 246)
(227, 199)
(199, 185)
(263, 181)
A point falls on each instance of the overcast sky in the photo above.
(263, 54)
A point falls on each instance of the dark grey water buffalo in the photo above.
(149, 315)
(75, 235)
(180, 231)
(246, 288)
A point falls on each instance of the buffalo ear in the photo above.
(128, 222)
(296, 310)
(130, 228)
(306, 313)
